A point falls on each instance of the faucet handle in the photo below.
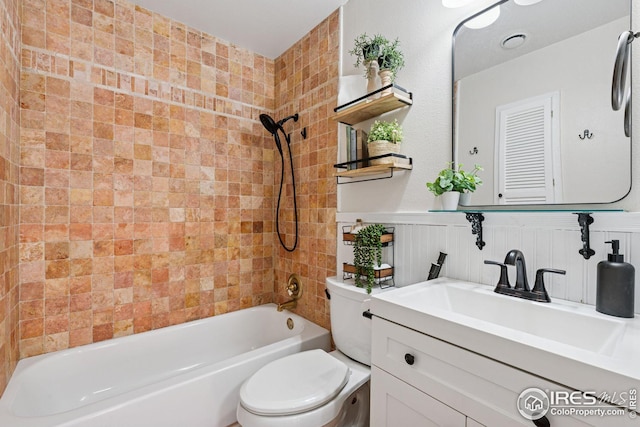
(503, 282)
(539, 288)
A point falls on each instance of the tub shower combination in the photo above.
(188, 374)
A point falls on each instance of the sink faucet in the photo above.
(516, 257)
(521, 289)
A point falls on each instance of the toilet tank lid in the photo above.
(293, 384)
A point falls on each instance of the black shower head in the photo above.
(269, 123)
(272, 127)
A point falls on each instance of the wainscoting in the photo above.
(547, 239)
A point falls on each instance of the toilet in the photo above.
(315, 388)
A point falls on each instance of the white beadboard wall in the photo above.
(547, 239)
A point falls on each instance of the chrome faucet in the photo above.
(516, 257)
(521, 288)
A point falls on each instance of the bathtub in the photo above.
(184, 375)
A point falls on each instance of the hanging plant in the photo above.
(367, 253)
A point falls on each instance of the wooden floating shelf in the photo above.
(372, 170)
(379, 274)
(351, 237)
(370, 108)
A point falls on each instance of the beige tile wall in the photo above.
(9, 164)
(307, 83)
(146, 178)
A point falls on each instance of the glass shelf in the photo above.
(527, 210)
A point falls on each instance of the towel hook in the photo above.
(586, 134)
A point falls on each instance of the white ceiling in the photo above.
(543, 23)
(267, 27)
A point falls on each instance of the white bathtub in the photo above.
(185, 375)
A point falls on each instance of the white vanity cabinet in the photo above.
(418, 380)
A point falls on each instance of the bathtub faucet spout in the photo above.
(288, 305)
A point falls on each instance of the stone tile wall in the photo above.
(9, 168)
(146, 178)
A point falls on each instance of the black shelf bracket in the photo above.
(476, 218)
(585, 219)
(382, 174)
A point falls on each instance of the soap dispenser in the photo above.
(615, 284)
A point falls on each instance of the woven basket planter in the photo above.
(378, 148)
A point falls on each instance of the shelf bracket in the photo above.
(585, 219)
(476, 218)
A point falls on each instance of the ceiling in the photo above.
(543, 23)
(267, 27)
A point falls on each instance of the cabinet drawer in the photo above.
(479, 387)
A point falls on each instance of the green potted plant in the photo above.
(469, 183)
(367, 49)
(451, 182)
(390, 61)
(367, 253)
(384, 138)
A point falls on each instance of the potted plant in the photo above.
(469, 183)
(367, 49)
(390, 61)
(384, 138)
(451, 182)
(367, 253)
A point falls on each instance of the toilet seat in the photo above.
(294, 384)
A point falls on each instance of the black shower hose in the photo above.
(295, 204)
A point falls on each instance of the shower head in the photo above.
(272, 127)
(269, 123)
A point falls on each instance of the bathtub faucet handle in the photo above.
(294, 289)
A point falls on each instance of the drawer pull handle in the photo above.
(409, 358)
(542, 422)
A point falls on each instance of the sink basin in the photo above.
(567, 342)
(566, 324)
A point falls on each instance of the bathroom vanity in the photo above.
(452, 353)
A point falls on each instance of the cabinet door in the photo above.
(395, 403)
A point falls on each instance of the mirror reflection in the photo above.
(532, 102)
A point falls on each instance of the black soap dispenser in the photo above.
(616, 283)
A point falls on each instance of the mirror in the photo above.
(532, 102)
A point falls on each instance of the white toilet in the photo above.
(314, 388)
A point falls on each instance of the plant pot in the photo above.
(386, 78)
(450, 200)
(372, 78)
(465, 199)
(379, 148)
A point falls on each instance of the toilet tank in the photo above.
(351, 331)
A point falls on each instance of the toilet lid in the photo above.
(294, 384)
